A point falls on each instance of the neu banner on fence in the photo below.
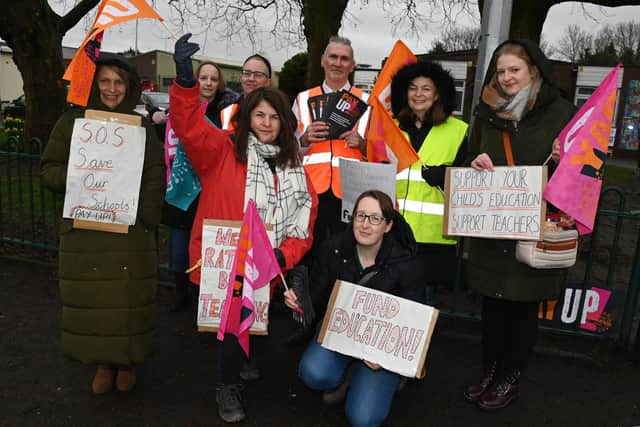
(219, 243)
(505, 203)
(378, 327)
(104, 172)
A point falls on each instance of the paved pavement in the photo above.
(39, 387)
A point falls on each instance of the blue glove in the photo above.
(182, 53)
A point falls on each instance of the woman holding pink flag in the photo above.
(520, 115)
(259, 163)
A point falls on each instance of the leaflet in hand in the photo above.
(341, 110)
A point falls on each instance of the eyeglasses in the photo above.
(373, 219)
(255, 74)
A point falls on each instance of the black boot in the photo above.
(229, 400)
(507, 389)
(181, 300)
(474, 391)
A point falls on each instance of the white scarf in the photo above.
(286, 208)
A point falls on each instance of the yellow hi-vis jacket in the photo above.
(421, 204)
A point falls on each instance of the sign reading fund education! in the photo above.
(378, 327)
(505, 203)
(219, 243)
(104, 172)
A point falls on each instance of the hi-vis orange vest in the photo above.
(322, 162)
(226, 115)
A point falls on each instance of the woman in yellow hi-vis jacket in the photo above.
(422, 100)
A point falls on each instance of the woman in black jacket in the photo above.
(378, 252)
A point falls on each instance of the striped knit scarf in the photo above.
(288, 207)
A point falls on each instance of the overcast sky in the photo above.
(368, 29)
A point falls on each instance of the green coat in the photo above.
(492, 269)
(107, 280)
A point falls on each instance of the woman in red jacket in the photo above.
(261, 163)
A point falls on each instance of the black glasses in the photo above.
(373, 219)
(254, 74)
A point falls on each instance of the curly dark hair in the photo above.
(441, 109)
(286, 140)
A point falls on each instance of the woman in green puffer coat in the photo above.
(519, 98)
(108, 280)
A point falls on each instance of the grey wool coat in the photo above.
(108, 281)
(492, 269)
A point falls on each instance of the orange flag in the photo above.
(383, 132)
(82, 67)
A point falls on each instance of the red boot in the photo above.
(474, 391)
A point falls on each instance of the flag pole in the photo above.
(171, 33)
(284, 282)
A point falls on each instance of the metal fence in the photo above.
(609, 262)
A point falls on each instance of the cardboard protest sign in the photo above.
(358, 177)
(378, 327)
(219, 243)
(505, 203)
(104, 171)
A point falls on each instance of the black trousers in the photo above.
(509, 332)
(231, 357)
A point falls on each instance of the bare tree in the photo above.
(574, 43)
(463, 38)
(34, 32)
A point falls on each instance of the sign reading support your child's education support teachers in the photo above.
(219, 243)
(378, 327)
(505, 203)
(105, 170)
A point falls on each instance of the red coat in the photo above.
(222, 177)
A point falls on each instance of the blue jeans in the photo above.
(370, 393)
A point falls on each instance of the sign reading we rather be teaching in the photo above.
(505, 203)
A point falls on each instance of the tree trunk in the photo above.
(30, 29)
(321, 20)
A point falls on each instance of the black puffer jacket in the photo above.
(397, 270)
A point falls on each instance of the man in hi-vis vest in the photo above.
(256, 73)
(321, 154)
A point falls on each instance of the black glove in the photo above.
(182, 53)
(280, 257)
(434, 175)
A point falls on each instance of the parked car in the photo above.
(16, 108)
(154, 101)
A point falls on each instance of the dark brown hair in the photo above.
(222, 85)
(385, 202)
(286, 139)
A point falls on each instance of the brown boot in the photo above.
(103, 380)
(474, 391)
(507, 389)
(126, 378)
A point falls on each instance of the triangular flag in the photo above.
(254, 266)
(382, 135)
(383, 131)
(576, 183)
(82, 67)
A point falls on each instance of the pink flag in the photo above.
(575, 185)
(254, 266)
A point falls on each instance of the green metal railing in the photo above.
(29, 216)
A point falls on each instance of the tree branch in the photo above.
(69, 20)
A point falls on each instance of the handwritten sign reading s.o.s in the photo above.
(505, 203)
(104, 171)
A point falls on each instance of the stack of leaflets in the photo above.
(341, 110)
